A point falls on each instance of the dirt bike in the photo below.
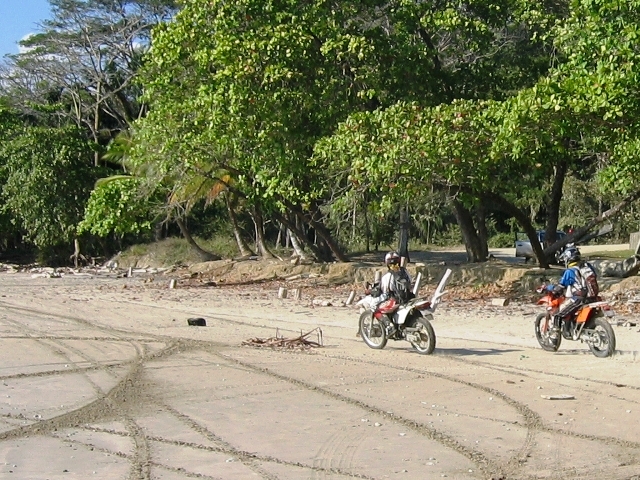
(588, 324)
(410, 321)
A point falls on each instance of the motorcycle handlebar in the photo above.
(543, 289)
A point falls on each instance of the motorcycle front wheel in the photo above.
(423, 340)
(602, 341)
(372, 331)
(548, 341)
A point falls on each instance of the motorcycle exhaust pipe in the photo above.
(410, 329)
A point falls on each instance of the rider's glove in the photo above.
(375, 301)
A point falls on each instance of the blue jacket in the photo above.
(571, 281)
(569, 278)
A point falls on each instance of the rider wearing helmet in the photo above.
(396, 282)
(572, 284)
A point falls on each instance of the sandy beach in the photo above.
(103, 378)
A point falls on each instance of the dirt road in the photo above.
(102, 378)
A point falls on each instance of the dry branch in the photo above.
(299, 343)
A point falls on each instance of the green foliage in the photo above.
(210, 220)
(9, 232)
(501, 240)
(335, 111)
(450, 235)
(357, 221)
(115, 207)
(249, 87)
(583, 113)
(401, 151)
(47, 178)
(599, 84)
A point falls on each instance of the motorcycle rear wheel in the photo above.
(606, 344)
(373, 331)
(426, 335)
(542, 326)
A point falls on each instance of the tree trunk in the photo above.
(157, 231)
(475, 251)
(327, 251)
(367, 227)
(203, 254)
(481, 228)
(553, 207)
(582, 231)
(523, 220)
(260, 240)
(322, 232)
(294, 230)
(96, 123)
(76, 252)
(320, 229)
(282, 239)
(243, 247)
(297, 247)
(501, 203)
(354, 219)
(403, 241)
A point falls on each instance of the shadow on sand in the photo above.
(478, 352)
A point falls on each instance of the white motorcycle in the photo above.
(410, 321)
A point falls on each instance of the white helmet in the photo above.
(392, 258)
(570, 254)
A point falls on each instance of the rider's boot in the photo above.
(566, 330)
(399, 331)
(389, 326)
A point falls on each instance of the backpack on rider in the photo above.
(588, 279)
(403, 287)
(585, 275)
(397, 281)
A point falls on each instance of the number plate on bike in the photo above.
(608, 313)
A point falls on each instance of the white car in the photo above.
(523, 245)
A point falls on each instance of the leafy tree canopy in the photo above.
(45, 172)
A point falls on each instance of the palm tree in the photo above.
(188, 188)
(118, 152)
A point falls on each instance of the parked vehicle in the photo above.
(525, 250)
(588, 324)
(410, 321)
(523, 245)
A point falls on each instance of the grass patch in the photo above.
(174, 251)
(610, 255)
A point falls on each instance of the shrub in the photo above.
(501, 240)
